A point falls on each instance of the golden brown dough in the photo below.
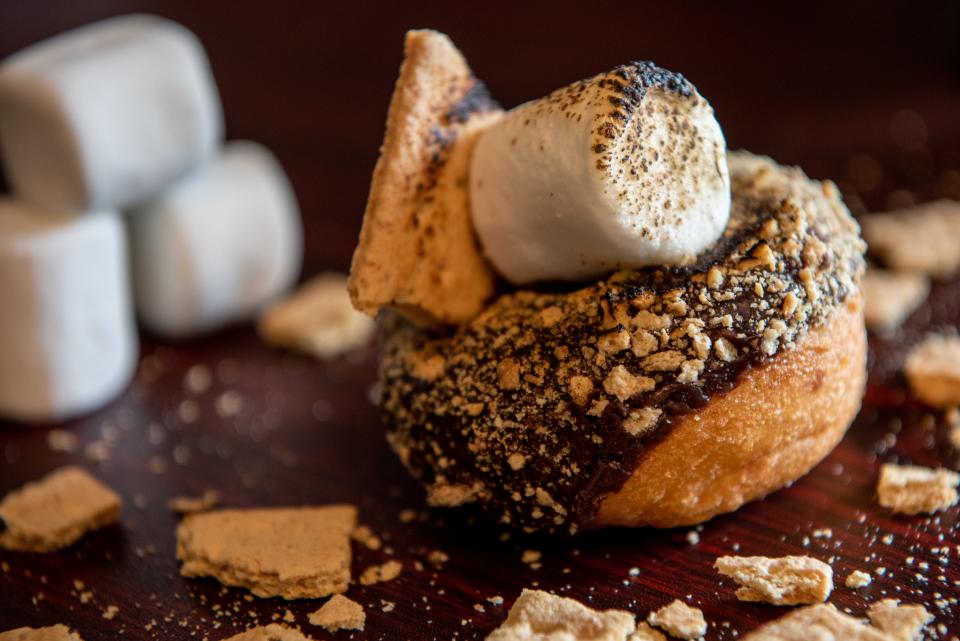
(736, 449)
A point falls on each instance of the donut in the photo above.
(660, 396)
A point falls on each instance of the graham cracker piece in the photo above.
(890, 297)
(540, 616)
(645, 633)
(194, 504)
(788, 580)
(911, 489)
(822, 622)
(418, 253)
(858, 579)
(902, 622)
(339, 613)
(933, 370)
(293, 553)
(57, 510)
(679, 620)
(56, 632)
(271, 632)
(318, 319)
(924, 239)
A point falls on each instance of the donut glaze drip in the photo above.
(546, 402)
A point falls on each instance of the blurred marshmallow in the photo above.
(68, 341)
(622, 170)
(217, 247)
(108, 114)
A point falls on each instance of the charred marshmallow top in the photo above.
(622, 170)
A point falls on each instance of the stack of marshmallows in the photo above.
(112, 139)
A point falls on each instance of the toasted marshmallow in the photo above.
(622, 170)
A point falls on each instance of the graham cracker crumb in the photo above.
(821, 621)
(538, 616)
(858, 579)
(516, 461)
(437, 557)
(365, 536)
(194, 504)
(788, 580)
(271, 632)
(679, 620)
(110, 612)
(531, 556)
(293, 553)
(641, 420)
(452, 495)
(622, 384)
(890, 297)
(381, 573)
(645, 633)
(54, 512)
(56, 632)
(339, 613)
(580, 388)
(902, 622)
(911, 489)
(318, 319)
(923, 239)
(62, 441)
(933, 370)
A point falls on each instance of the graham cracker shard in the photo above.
(911, 489)
(339, 613)
(933, 370)
(788, 580)
(822, 622)
(902, 622)
(679, 620)
(271, 632)
(925, 238)
(293, 553)
(540, 616)
(890, 297)
(57, 510)
(417, 252)
(57, 632)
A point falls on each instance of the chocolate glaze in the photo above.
(547, 401)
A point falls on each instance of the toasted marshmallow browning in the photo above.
(623, 170)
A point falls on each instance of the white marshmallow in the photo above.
(68, 341)
(622, 170)
(218, 246)
(107, 114)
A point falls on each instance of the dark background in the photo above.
(814, 83)
(867, 93)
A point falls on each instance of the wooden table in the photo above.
(870, 102)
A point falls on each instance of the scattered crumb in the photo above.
(911, 489)
(902, 622)
(293, 553)
(387, 606)
(365, 536)
(110, 611)
(194, 504)
(935, 227)
(821, 622)
(531, 556)
(317, 319)
(890, 297)
(495, 600)
(437, 557)
(933, 370)
(271, 632)
(407, 516)
(858, 579)
(62, 441)
(679, 620)
(645, 633)
(380, 573)
(693, 537)
(823, 533)
(788, 580)
(57, 632)
(339, 613)
(538, 616)
(57, 510)
(288, 616)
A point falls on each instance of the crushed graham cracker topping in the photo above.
(576, 383)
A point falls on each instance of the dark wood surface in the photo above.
(867, 95)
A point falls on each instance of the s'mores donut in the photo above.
(658, 395)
